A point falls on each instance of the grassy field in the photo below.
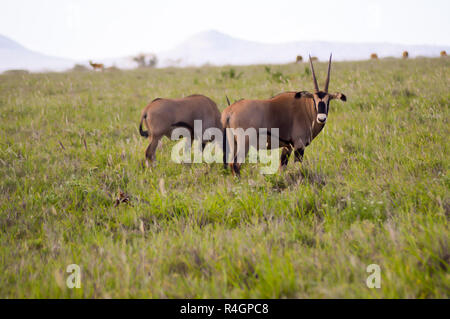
(373, 189)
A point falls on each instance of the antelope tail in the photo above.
(225, 140)
(141, 131)
(224, 147)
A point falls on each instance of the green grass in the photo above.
(373, 189)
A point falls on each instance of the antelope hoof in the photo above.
(237, 170)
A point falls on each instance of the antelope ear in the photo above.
(303, 94)
(339, 95)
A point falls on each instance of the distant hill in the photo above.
(15, 56)
(213, 47)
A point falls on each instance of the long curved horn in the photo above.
(316, 86)
(328, 75)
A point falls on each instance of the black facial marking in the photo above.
(321, 95)
(322, 108)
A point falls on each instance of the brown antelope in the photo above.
(162, 116)
(299, 59)
(374, 56)
(314, 59)
(443, 53)
(405, 54)
(299, 116)
(96, 66)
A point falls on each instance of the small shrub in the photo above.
(79, 68)
(16, 72)
(277, 76)
(231, 74)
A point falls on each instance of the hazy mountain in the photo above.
(212, 47)
(215, 48)
(15, 56)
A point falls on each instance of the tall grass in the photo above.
(373, 189)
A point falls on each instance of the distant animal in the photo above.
(299, 116)
(443, 53)
(314, 59)
(299, 59)
(405, 54)
(162, 116)
(374, 56)
(96, 66)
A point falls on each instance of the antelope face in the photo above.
(322, 98)
(321, 102)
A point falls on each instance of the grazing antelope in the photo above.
(96, 66)
(299, 59)
(443, 53)
(299, 116)
(405, 54)
(374, 56)
(162, 116)
(314, 59)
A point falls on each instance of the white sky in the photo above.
(83, 29)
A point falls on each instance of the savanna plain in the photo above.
(373, 189)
